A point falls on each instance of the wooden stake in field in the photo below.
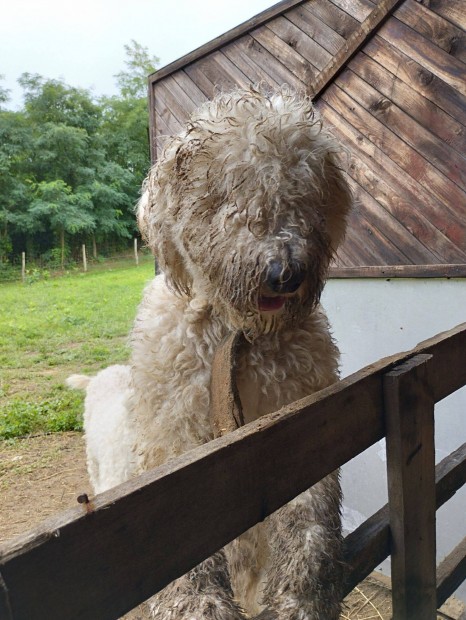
(84, 258)
(23, 265)
(136, 257)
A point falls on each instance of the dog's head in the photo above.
(246, 207)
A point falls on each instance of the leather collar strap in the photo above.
(226, 413)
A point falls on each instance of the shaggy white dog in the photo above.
(243, 210)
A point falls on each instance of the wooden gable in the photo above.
(389, 79)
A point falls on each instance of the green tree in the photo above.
(132, 82)
(63, 210)
(15, 183)
(70, 166)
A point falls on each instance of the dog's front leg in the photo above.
(202, 594)
(304, 580)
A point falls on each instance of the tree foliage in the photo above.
(71, 166)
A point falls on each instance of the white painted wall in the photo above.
(373, 318)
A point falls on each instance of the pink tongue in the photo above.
(271, 303)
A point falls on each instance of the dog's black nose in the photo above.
(284, 278)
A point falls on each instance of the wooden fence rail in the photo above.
(101, 559)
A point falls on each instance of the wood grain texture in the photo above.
(423, 81)
(439, 31)
(405, 156)
(409, 418)
(138, 536)
(407, 99)
(451, 573)
(331, 15)
(453, 11)
(407, 130)
(301, 42)
(449, 69)
(398, 271)
(440, 228)
(224, 39)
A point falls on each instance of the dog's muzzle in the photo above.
(283, 279)
(281, 282)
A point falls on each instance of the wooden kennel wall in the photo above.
(390, 78)
(104, 557)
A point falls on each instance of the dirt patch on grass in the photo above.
(39, 477)
(43, 475)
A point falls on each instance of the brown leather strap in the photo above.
(226, 413)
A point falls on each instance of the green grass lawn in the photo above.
(52, 328)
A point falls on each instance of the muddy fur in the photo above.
(243, 210)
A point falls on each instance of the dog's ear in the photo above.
(154, 223)
(337, 198)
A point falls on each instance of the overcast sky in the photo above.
(82, 42)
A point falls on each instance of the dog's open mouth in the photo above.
(269, 303)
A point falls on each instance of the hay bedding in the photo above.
(43, 475)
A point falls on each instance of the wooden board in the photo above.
(409, 418)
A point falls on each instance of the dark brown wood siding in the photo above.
(398, 105)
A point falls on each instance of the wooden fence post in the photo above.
(409, 416)
(136, 257)
(23, 266)
(84, 258)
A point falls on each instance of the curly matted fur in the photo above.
(244, 210)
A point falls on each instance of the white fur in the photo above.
(251, 180)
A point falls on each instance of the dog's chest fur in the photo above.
(174, 341)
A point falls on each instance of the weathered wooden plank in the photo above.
(420, 79)
(381, 210)
(425, 53)
(411, 102)
(356, 40)
(366, 548)
(195, 73)
(453, 10)
(400, 152)
(285, 54)
(189, 87)
(369, 544)
(451, 573)
(364, 240)
(441, 229)
(170, 106)
(165, 119)
(330, 14)
(231, 70)
(237, 52)
(359, 9)
(224, 39)
(408, 130)
(300, 41)
(439, 31)
(258, 55)
(409, 417)
(162, 131)
(180, 95)
(219, 71)
(397, 271)
(316, 29)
